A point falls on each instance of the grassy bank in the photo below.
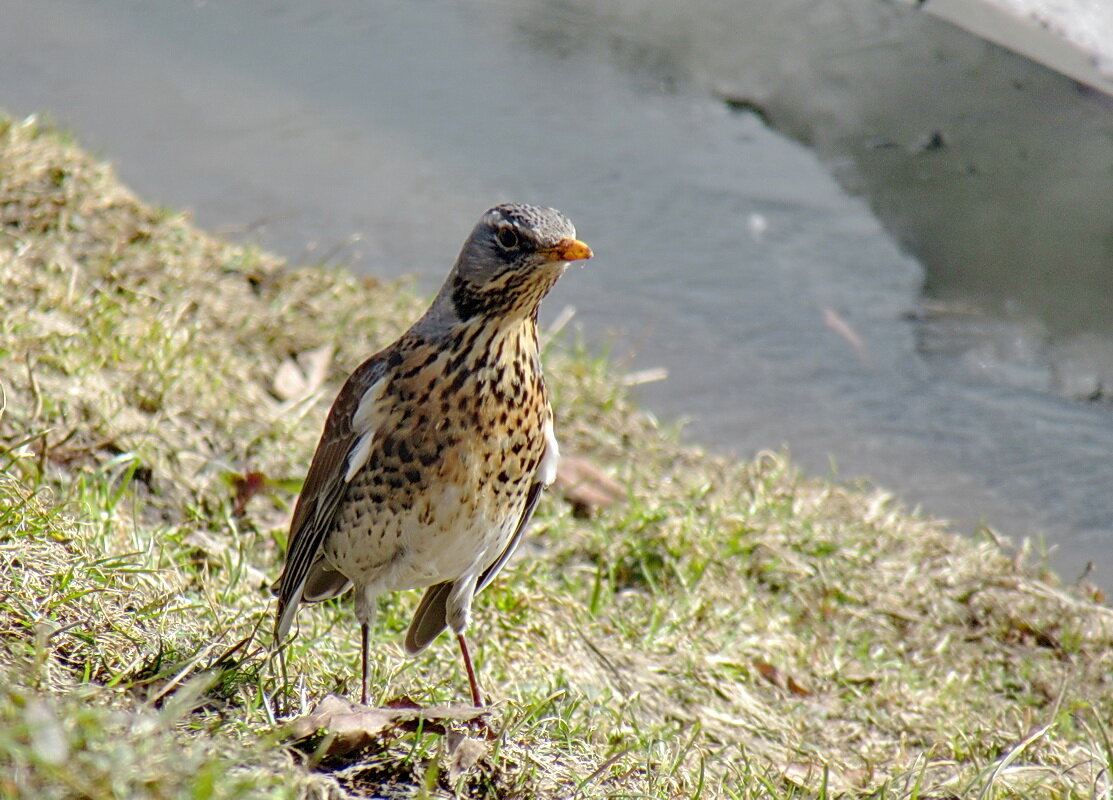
(728, 630)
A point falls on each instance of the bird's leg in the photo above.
(457, 612)
(365, 613)
(476, 697)
(365, 653)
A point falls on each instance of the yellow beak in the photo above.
(567, 250)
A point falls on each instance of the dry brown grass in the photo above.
(730, 630)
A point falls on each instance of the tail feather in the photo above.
(285, 618)
(429, 619)
(321, 583)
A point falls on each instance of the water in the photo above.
(374, 134)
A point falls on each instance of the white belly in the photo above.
(441, 537)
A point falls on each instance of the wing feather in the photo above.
(325, 486)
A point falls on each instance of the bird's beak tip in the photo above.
(570, 249)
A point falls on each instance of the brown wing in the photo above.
(323, 490)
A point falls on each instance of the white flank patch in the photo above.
(360, 453)
(547, 469)
(365, 420)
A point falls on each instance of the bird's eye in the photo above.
(507, 238)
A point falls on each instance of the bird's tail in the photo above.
(321, 583)
(429, 619)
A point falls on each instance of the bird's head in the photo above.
(511, 260)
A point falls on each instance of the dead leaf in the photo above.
(586, 486)
(464, 753)
(779, 678)
(402, 701)
(245, 487)
(337, 727)
(300, 377)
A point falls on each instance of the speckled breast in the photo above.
(460, 438)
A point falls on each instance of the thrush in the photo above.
(437, 448)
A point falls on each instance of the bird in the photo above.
(437, 448)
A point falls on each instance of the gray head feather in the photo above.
(506, 265)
